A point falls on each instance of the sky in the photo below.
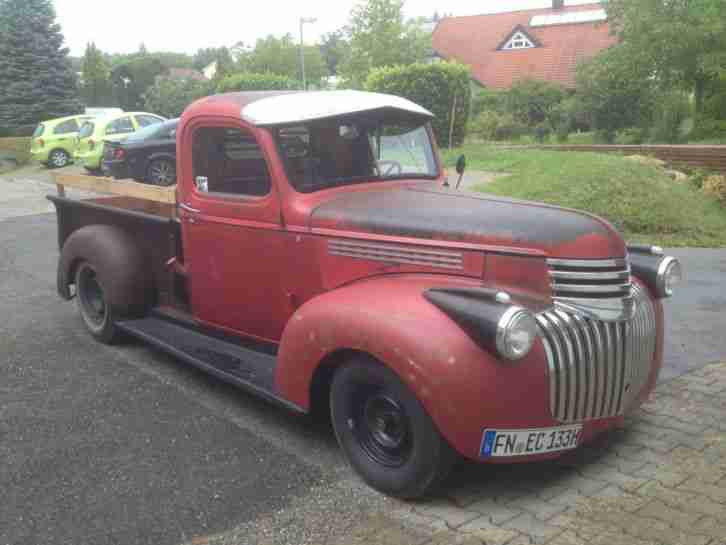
(173, 25)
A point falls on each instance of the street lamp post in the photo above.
(304, 20)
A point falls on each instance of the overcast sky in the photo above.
(173, 25)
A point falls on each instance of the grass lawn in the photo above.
(638, 199)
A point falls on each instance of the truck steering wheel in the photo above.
(389, 168)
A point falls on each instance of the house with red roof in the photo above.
(542, 44)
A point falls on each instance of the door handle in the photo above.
(188, 208)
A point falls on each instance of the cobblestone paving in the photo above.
(660, 479)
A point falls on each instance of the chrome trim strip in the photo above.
(591, 288)
(393, 253)
(623, 274)
(588, 263)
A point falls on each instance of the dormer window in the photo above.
(519, 40)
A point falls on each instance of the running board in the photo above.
(249, 369)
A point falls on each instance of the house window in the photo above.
(519, 40)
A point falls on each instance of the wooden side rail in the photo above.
(126, 188)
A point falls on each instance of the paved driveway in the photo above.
(125, 445)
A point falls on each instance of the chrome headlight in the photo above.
(669, 276)
(516, 333)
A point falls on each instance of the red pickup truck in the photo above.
(317, 258)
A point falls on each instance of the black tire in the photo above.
(58, 158)
(161, 172)
(385, 432)
(98, 316)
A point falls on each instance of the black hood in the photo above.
(429, 212)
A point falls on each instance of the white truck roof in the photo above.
(292, 108)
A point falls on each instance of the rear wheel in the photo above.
(385, 432)
(98, 316)
(161, 172)
(58, 159)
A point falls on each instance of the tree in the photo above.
(170, 96)
(380, 37)
(220, 55)
(133, 77)
(683, 42)
(281, 56)
(616, 90)
(96, 88)
(36, 78)
(532, 102)
(335, 49)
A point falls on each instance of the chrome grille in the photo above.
(574, 279)
(596, 368)
(396, 253)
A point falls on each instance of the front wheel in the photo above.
(58, 159)
(98, 316)
(385, 432)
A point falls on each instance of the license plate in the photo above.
(510, 443)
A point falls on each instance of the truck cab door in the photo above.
(234, 241)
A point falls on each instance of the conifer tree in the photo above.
(36, 78)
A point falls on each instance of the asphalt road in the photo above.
(125, 445)
(108, 445)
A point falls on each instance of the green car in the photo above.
(54, 141)
(116, 127)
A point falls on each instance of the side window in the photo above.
(120, 126)
(231, 161)
(147, 120)
(66, 127)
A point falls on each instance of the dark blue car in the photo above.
(147, 156)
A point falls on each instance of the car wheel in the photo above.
(161, 172)
(385, 431)
(98, 316)
(58, 159)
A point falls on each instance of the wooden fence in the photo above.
(712, 157)
(19, 148)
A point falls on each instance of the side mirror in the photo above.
(461, 165)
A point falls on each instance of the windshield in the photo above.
(160, 131)
(39, 131)
(86, 130)
(336, 153)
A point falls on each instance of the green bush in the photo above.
(672, 115)
(251, 81)
(486, 100)
(532, 102)
(707, 128)
(510, 129)
(436, 87)
(170, 96)
(484, 126)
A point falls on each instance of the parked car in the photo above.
(54, 141)
(148, 155)
(115, 127)
(312, 254)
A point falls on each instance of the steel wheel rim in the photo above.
(59, 159)
(382, 428)
(93, 302)
(162, 173)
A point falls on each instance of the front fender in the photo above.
(462, 386)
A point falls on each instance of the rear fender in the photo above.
(118, 261)
(459, 383)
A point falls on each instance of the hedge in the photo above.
(441, 88)
(250, 81)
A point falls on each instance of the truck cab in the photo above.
(314, 256)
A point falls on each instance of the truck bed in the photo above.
(153, 225)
